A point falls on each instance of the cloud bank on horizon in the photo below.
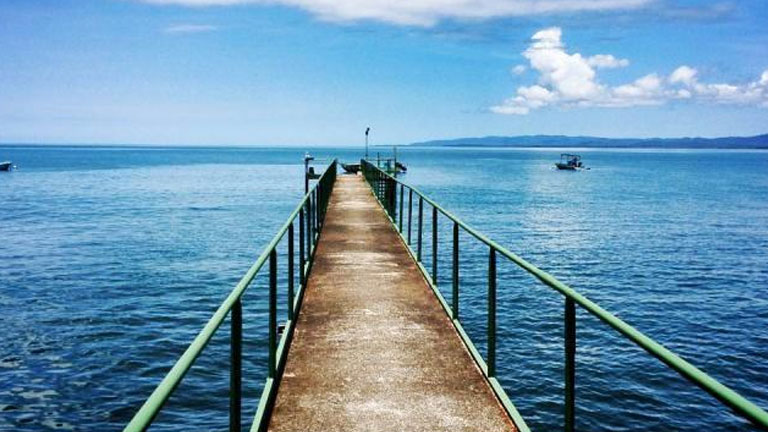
(424, 12)
(570, 80)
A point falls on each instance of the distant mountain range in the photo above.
(754, 142)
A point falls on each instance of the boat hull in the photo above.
(566, 167)
(351, 168)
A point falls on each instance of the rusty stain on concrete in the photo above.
(373, 349)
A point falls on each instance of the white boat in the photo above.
(570, 162)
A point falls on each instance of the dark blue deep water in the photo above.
(111, 260)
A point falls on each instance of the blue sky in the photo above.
(301, 72)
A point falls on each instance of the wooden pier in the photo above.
(373, 350)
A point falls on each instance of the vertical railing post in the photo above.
(383, 195)
(384, 192)
(236, 366)
(393, 200)
(311, 223)
(400, 213)
(314, 217)
(302, 282)
(410, 212)
(421, 223)
(307, 218)
(455, 273)
(492, 313)
(387, 198)
(309, 227)
(570, 365)
(321, 207)
(290, 272)
(272, 314)
(434, 245)
(319, 198)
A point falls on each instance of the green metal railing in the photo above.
(310, 214)
(391, 194)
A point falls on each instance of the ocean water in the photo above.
(112, 260)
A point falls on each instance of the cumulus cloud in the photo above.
(570, 80)
(190, 28)
(425, 12)
(683, 74)
(607, 61)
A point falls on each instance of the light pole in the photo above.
(307, 158)
(367, 129)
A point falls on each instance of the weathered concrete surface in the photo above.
(373, 349)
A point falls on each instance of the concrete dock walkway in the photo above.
(373, 349)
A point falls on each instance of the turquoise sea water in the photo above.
(112, 260)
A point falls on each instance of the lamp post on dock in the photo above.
(367, 129)
(307, 159)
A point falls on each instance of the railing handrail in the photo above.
(724, 394)
(152, 406)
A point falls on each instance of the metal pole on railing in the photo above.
(410, 212)
(236, 366)
(319, 197)
(308, 219)
(272, 372)
(290, 273)
(314, 217)
(492, 313)
(309, 228)
(393, 199)
(400, 214)
(421, 222)
(434, 245)
(455, 274)
(302, 282)
(570, 364)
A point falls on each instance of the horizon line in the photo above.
(412, 143)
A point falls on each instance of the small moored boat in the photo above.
(569, 162)
(351, 168)
(6, 166)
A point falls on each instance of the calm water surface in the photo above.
(113, 259)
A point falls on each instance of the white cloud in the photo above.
(607, 61)
(510, 107)
(519, 69)
(647, 90)
(683, 74)
(570, 75)
(190, 28)
(424, 12)
(570, 80)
